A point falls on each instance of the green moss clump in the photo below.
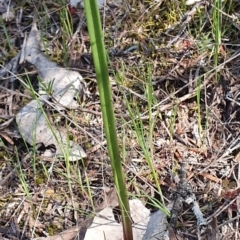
(40, 179)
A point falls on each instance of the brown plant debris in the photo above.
(169, 80)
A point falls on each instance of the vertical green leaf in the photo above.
(101, 68)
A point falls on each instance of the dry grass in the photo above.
(41, 197)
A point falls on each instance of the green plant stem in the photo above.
(101, 68)
(217, 31)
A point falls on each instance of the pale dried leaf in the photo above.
(157, 226)
(105, 226)
(35, 129)
(65, 85)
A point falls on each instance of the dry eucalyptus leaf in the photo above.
(65, 86)
(104, 225)
(157, 226)
(34, 128)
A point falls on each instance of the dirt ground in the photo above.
(195, 117)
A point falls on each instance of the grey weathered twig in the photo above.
(185, 194)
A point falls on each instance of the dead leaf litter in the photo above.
(56, 179)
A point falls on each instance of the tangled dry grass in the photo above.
(195, 114)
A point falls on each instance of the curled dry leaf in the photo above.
(63, 87)
(34, 128)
